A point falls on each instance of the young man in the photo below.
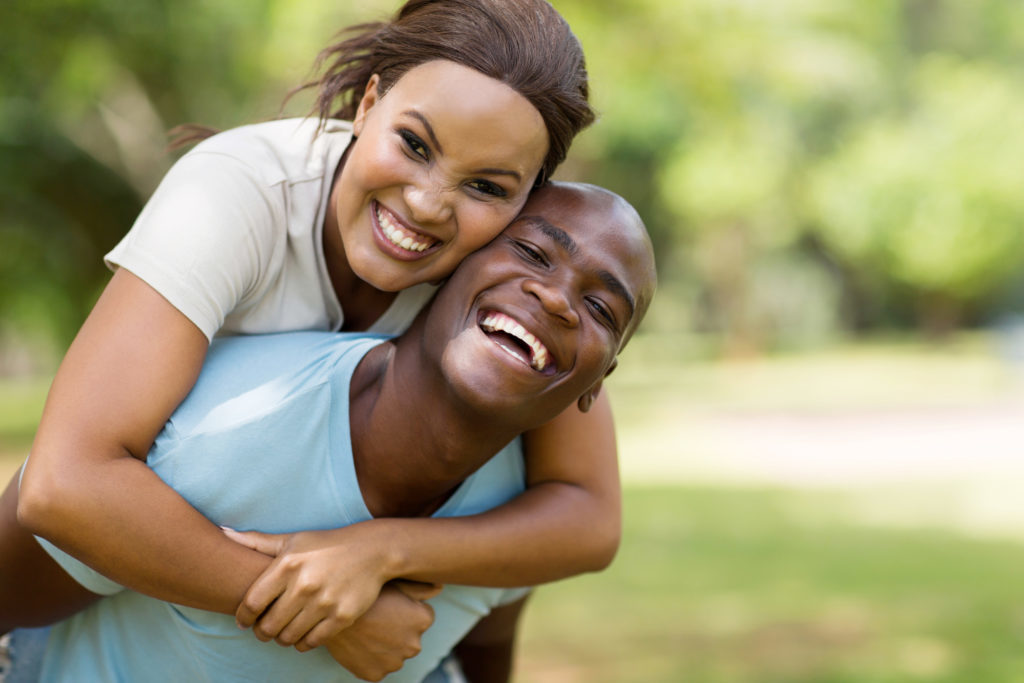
(320, 430)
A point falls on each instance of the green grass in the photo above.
(718, 585)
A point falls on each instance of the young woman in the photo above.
(458, 108)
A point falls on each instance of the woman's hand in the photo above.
(319, 583)
(380, 641)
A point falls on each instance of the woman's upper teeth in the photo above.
(494, 322)
(396, 234)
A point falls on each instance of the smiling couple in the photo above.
(304, 431)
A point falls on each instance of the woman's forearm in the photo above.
(567, 522)
(141, 534)
(86, 486)
(537, 538)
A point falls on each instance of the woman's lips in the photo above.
(399, 235)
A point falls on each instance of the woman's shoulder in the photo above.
(292, 149)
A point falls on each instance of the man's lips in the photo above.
(516, 340)
(400, 235)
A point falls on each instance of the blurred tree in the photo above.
(756, 134)
(801, 165)
(930, 198)
(87, 93)
(86, 90)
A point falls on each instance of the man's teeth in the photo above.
(499, 322)
(397, 235)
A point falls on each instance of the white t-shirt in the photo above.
(232, 237)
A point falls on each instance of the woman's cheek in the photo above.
(488, 224)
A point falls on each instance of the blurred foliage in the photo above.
(805, 167)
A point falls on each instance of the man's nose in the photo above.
(554, 298)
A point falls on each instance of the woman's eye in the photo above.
(415, 144)
(488, 188)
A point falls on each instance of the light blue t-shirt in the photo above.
(262, 442)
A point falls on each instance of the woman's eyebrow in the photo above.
(426, 124)
(440, 150)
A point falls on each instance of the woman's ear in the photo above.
(370, 97)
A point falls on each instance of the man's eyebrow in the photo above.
(615, 285)
(560, 237)
(565, 240)
(426, 124)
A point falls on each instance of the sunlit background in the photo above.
(820, 424)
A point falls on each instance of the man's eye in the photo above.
(603, 311)
(415, 144)
(488, 188)
(530, 253)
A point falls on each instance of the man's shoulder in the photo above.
(307, 352)
(272, 365)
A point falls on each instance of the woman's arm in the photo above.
(124, 375)
(87, 487)
(568, 521)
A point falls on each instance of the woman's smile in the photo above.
(398, 238)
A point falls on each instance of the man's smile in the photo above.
(512, 337)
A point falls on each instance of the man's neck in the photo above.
(413, 441)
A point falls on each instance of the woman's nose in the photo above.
(428, 203)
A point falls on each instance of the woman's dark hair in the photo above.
(525, 44)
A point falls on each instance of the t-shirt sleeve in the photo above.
(204, 238)
(80, 572)
(510, 595)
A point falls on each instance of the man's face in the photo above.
(535, 319)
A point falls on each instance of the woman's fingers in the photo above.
(417, 590)
(308, 627)
(261, 594)
(268, 544)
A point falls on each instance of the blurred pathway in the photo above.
(951, 466)
(849, 448)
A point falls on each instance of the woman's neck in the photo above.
(362, 304)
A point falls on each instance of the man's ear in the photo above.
(370, 97)
(587, 400)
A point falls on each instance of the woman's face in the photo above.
(443, 161)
